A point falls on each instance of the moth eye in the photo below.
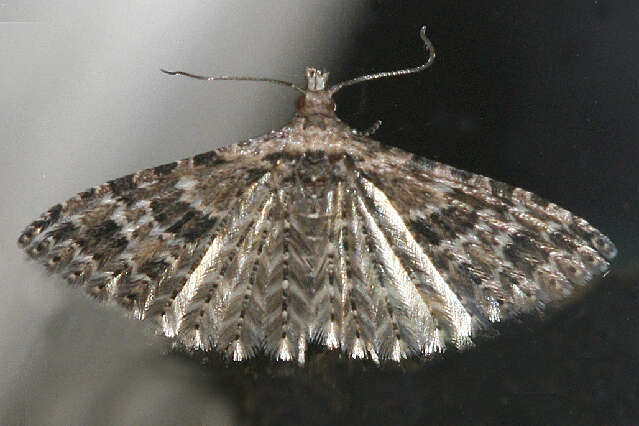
(299, 104)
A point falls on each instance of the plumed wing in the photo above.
(496, 250)
(144, 239)
(254, 248)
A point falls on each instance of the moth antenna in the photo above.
(234, 78)
(431, 58)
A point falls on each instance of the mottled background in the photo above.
(542, 94)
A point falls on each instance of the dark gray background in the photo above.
(542, 95)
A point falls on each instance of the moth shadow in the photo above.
(576, 366)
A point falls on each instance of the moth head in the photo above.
(316, 100)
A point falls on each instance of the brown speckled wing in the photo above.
(317, 234)
(500, 249)
(138, 239)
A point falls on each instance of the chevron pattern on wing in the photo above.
(502, 249)
(240, 329)
(368, 321)
(191, 306)
(315, 233)
(285, 302)
(420, 286)
(325, 327)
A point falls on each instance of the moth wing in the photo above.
(486, 249)
(377, 252)
(144, 240)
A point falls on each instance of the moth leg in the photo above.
(372, 129)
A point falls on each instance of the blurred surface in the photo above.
(83, 102)
(542, 95)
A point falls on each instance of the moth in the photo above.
(316, 233)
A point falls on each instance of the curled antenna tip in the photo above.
(429, 61)
(428, 43)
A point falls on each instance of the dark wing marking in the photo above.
(500, 249)
(137, 239)
(377, 252)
